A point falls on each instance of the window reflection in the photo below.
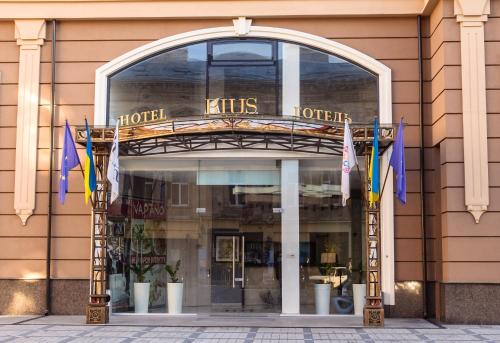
(330, 235)
(257, 82)
(180, 80)
(174, 80)
(328, 82)
(242, 51)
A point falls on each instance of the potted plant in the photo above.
(141, 288)
(322, 290)
(174, 289)
(359, 291)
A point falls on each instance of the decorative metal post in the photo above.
(373, 312)
(97, 309)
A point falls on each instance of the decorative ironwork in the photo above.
(229, 141)
(97, 309)
(374, 309)
(225, 133)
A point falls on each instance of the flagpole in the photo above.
(362, 182)
(83, 174)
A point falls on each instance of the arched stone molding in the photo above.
(239, 30)
(242, 28)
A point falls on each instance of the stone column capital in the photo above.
(30, 32)
(468, 11)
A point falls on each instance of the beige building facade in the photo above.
(434, 63)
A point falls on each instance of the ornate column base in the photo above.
(97, 314)
(97, 310)
(373, 317)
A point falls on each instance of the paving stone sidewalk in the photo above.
(27, 333)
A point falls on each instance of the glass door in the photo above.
(241, 201)
(228, 270)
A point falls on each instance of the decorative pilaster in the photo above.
(30, 35)
(471, 14)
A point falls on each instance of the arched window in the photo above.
(252, 76)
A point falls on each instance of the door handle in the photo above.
(242, 261)
(234, 264)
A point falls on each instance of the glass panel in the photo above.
(176, 83)
(243, 224)
(173, 81)
(243, 82)
(331, 236)
(330, 83)
(239, 177)
(164, 215)
(242, 51)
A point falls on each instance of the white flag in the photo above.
(114, 167)
(349, 160)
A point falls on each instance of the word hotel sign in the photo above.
(233, 107)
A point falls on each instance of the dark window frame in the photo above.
(210, 63)
(234, 63)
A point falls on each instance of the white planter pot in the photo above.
(322, 298)
(358, 295)
(141, 297)
(174, 297)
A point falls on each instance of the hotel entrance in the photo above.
(230, 181)
(218, 225)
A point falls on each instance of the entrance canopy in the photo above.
(237, 132)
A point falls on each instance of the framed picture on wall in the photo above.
(224, 249)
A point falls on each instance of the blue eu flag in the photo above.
(69, 160)
(398, 163)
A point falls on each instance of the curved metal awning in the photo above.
(237, 132)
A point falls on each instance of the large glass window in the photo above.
(329, 82)
(174, 80)
(215, 217)
(331, 236)
(222, 218)
(242, 76)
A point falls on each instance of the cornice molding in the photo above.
(182, 9)
(30, 35)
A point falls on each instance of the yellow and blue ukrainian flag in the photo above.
(89, 168)
(374, 171)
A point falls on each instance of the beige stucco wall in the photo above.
(393, 41)
(459, 250)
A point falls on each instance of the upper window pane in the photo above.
(174, 81)
(333, 84)
(243, 77)
(242, 51)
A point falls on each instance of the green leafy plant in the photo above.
(140, 270)
(172, 271)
